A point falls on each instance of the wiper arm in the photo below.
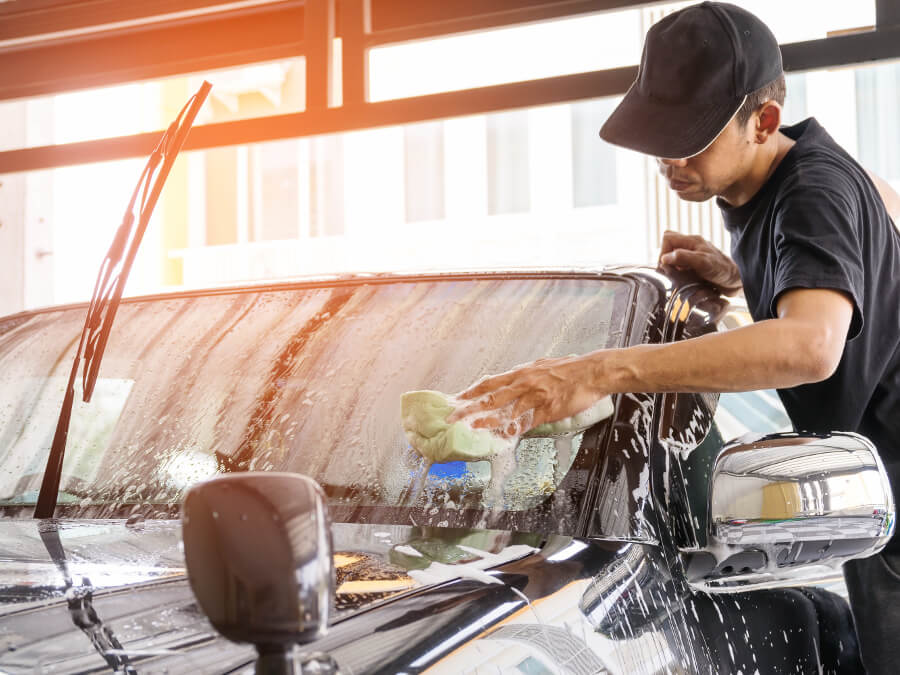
(80, 600)
(109, 287)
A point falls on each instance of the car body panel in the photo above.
(569, 605)
(591, 579)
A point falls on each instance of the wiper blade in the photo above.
(110, 285)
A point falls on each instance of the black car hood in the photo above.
(78, 595)
(115, 594)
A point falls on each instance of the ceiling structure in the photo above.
(54, 46)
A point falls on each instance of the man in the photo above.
(813, 247)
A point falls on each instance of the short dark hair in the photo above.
(774, 91)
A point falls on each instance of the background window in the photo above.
(276, 187)
(424, 171)
(593, 160)
(507, 165)
(221, 196)
(326, 186)
(795, 107)
(877, 115)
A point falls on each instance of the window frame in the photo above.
(26, 57)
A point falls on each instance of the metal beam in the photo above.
(887, 14)
(830, 52)
(318, 34)
(155, 50)
(354, 23)
(333, 120)
(34, 19)
(842, 50)
(395, 34)
(128, 40)
(389, 15)
(516, 12)
(258, 30)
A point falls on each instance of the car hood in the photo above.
(78, 594)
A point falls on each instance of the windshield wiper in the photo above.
(110, 285)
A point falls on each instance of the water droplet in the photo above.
(136, 520)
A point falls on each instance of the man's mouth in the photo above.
(679, 185)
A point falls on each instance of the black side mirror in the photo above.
(259, 559)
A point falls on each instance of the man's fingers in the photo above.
(473, 408)
(487, 384)
(503, 426)
(527, 402)
(695, 260)
(674, 240)
(491, 401)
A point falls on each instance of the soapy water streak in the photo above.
(504, 463)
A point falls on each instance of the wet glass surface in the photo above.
(304, 380)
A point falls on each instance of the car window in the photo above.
(306, 379)
(751, 412)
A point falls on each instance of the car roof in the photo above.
(365, 277)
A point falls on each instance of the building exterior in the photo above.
(520, 187)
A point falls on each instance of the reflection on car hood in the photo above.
(122, 587)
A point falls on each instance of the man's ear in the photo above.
(768, 120)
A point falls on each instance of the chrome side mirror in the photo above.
(259, 560)
(789, 499)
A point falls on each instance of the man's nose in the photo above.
(679, 163)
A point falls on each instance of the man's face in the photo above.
(716, 170)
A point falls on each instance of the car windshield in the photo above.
(305, 378)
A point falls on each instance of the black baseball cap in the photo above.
(697, 67)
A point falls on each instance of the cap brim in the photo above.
(666, 129)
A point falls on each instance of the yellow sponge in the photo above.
(424, 416)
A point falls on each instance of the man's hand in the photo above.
(693, 252)
(547, 390)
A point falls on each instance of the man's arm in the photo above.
(888, 195)
(804, 344)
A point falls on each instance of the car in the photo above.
(239, 494)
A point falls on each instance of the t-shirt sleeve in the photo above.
(817, 246)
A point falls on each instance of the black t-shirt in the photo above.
(819, 222)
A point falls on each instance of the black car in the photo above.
(687, 533)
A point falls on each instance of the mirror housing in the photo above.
(259, 558)
(787, 500)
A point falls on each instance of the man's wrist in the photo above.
(613, 371)
(731, 288)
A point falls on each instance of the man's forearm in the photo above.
(804, 344)
(770, 354)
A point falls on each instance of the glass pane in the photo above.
(532, 187)
(795, 105)
(797, 20)
(254, 90)
(593, 164)
(424, 171)
(374, 200)
(70, 216)
(275, 179)
(758, 412)
(507, 162)
(573, 45)
(312, 385)
(877, 111)
(527, 52)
